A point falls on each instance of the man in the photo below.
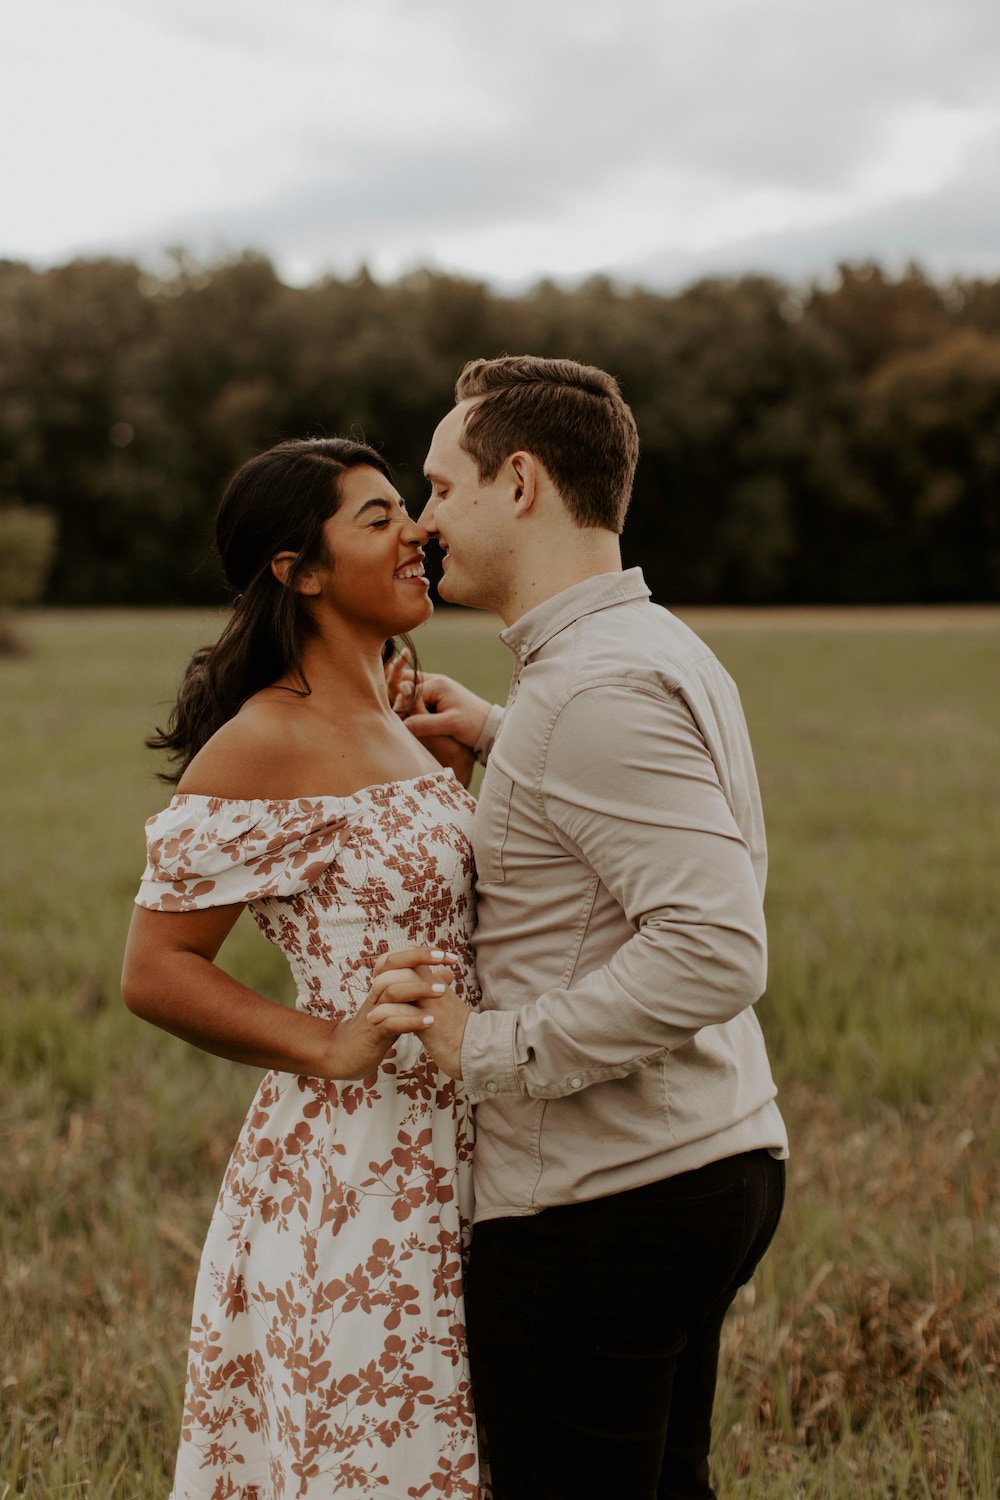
(628, 1173)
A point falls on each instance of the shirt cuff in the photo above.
(481, 749)
(488, 1055)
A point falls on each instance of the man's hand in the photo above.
(411, 976)
(407, 703)
(439, 709)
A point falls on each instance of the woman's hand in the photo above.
(360, 1043)
(170, 978)
(410, 980)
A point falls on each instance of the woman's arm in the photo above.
(170, 978)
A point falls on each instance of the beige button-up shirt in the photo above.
(620, 942)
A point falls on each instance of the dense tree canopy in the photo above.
(836, 444)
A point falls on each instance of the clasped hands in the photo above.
(409, 993)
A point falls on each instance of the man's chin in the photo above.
(447, 588)
(456, 588)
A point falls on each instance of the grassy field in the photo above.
(865, 1359)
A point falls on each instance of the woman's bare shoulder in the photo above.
(263, 753)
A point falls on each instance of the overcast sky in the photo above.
(657, 140)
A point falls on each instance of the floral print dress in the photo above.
(327, 1352)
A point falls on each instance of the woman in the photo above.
(327, 1351)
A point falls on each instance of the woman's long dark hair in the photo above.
(276, 502)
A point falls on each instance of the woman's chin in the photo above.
(419, 611)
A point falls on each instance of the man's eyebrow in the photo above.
(433, 478)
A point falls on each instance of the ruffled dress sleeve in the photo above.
(213, 851)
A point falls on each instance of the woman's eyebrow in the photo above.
(378, 504)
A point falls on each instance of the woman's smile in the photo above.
(412, 572)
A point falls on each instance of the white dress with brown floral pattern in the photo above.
(327, 1351)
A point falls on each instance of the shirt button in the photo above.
(576, 1082)
(492, 1088)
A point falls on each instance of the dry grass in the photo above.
(868, 1345)
(863, 1362)
(877, 1311)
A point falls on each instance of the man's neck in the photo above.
(550, 575)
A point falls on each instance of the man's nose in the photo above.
(426, 517)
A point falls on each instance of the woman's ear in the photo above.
(281, 566)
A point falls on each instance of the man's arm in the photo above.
(630, 789)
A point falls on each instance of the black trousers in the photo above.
(594, 1332)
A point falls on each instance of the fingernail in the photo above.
(436, 954)
(438, 989)
(428, 1020)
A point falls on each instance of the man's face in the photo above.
(467, 518)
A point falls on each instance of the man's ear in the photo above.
(281, 566)
(525, 472)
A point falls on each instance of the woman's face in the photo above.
(376, 577)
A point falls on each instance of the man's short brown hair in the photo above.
(570, 416)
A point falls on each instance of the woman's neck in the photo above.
(345, 672)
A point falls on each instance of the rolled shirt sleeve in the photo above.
(630, 789)
(491, 728)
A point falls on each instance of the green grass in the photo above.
(879, 756)
(864, 1360)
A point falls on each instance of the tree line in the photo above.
(834, 444)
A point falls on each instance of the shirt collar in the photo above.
(528, 634)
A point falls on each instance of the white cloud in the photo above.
(509, 141)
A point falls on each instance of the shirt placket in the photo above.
(520, 657)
